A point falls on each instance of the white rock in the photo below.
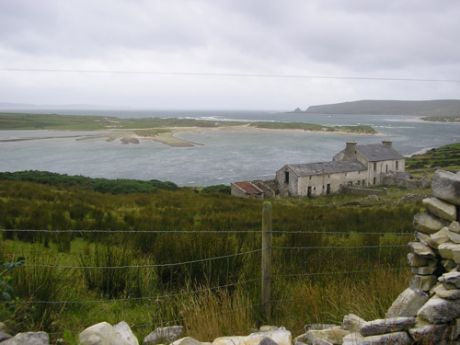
(233, 340)
(408, 303)
(423, 282)
(187, 341)
(448, 264)
(454, 236)
(28, 338)
(397, 338)
(100, 334)
(438, 310)
(442, 292)
(333, 335)
(421, 249)
(352, 339)
(427, 223)
(382, 326)
(415, 260)
(352, 322)
(281, 336)
(124, 332)
(430, 334)
(450, 280)
(442, 236)
(447, 250)
(455, 227)
(167, 334)
(440, 208)
(446, 186)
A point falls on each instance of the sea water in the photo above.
(223, 157)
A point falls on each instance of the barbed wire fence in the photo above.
(267, 254)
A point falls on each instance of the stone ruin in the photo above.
(426, 313)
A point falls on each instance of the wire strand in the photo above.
(97, 231)
(146, 266)
(227, 74)
(157, 298)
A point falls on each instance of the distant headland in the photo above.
(434, 110)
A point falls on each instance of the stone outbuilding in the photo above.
(246, 189)
(356, 165)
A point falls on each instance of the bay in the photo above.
(223, 157)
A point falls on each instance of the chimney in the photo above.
(387, 143)
(350, 149)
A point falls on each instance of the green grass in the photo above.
(445, 157)
(314, 127)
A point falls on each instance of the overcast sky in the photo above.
(385, 38)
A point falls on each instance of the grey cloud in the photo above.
(406, 38)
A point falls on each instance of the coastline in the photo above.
(168, 136)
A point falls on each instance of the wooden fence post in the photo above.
(266, 259)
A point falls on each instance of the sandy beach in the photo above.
(168, 136)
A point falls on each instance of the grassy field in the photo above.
(149, 126)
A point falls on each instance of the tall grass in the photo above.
(115, 272)
(211, 314)
(37, 281)
(328, 298)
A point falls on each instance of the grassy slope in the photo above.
(9, 121)
(444, 157)
(31, 205)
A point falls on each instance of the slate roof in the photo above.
(248, 187)
(320, 168)
(378, 152)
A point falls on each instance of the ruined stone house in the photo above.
(356, 165)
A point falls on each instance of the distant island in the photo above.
(163, 130)
(433, 110)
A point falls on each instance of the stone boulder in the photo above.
(104, 333)
(4, 336)
(446, 186)
(332, 335)
(427, 223)
(281, 336)
(440, 208)
(430, 334)
(438, 310)
(124, 332)
(382, 326)
(164, 334)
(28, 338)
(450, 280)
(408, 303)
(188, 341)
(397, 338)
(352, 323)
